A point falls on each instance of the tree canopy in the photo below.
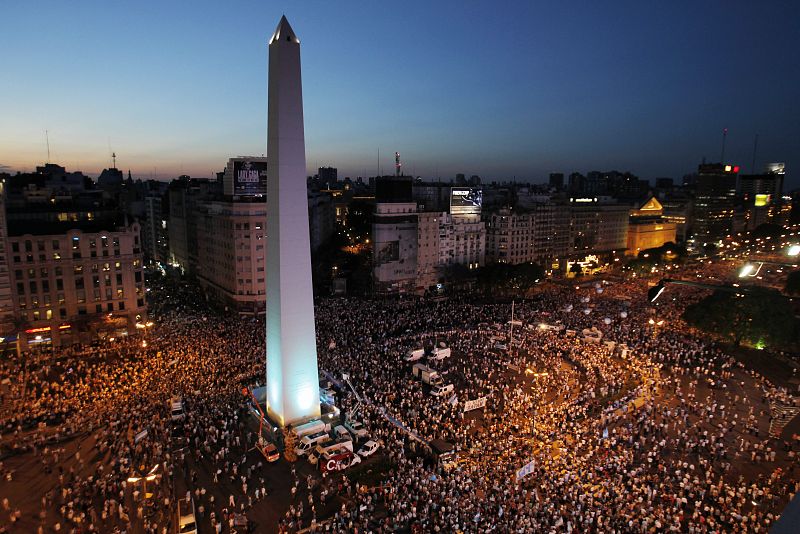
(509, 279)
(759, 316)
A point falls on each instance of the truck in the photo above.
(426, 374)
(339, 462)
(187, 524)
(312, 427)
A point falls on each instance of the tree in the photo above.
(758, 316)
(289, 445)
(502, 278)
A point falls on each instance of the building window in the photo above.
(81, 310)
(32, 285)
(98, 308)
(40, 246)
(21, 288)
(62, 313)
(36, 316)
(49, 314)
(79, 282)
(15, 246)
(56, 245)
(28, 246)
(119, 279)
(18, 274)
(76, 243)
(110, 306)
(122, 306)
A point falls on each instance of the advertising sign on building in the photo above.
(249, 178)
(466, 201)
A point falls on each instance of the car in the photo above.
(356, 428)
(369, 449)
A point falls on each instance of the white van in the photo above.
(356, 428)
(440, 391)
(176, 409)
(341, 433)
(309, 442)
(441, 353)
(414, 355)
(312, 427)
(329, 449)
(187, 524)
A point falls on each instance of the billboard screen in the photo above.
(249, 177)
(762, 200)
(466, 201)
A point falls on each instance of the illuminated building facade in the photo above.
(647, 228)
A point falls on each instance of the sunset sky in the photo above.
(178, 87)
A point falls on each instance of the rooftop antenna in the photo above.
(379, 161)
(47, 138)
(755, 149)
(397, 164)
(724, 138)
(114, 159)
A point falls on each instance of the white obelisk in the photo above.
(292, 376)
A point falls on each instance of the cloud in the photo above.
(5, 168)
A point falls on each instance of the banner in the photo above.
(526, 470)
(474, 404)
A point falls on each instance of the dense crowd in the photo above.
(669, 434)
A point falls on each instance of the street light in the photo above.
(794, 250)
(747, 270)
(654, 292)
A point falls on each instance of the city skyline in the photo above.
(502, 95)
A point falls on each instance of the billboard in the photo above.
(762, 200)
(249, 177)
(466, 201)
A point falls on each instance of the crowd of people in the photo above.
(648, 426)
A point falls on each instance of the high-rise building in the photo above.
(539, 234)
(715, 195)
(328, 176)
(6, 297)
(394, 236)
(597, 228)
(292, 372)
(231, 266)
(768, 183)
(155, 232)
(557, 180)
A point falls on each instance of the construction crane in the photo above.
(263, 444)
(352, 412)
